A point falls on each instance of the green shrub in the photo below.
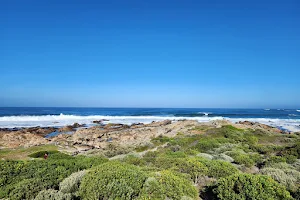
(25, 179)
(172, 154)
(251, 140)
(72, 183)
(112, 180)
(275, 159)
(52, 195)
(293, 150)
(152, 189)
(246, 186)
(287, 177)
(27, 189)
(144, 147)
(265, 149)
(190, 166)
(281, 165)
(205, 155)
(218, 169)
(206, 145)
(150, 157)
(290, 159)
(161, 140)
(242, 158)
(131, 159)
(223, 157)
(40, 154)
(89, 162)
(191, 152)
(225, 148)
(174, 187)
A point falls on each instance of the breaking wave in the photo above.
(63, 120)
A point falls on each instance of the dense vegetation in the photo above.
(213, 163)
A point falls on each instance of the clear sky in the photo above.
(150, 53)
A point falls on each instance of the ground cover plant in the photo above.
(208, 163)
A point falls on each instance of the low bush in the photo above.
(40, 154)
(134, 160)
(218, 169)
(223, 157)
(293, 150)
(25, 179)
(167, 185)
(144, 147)
(247, 159)
(246, 186)
(190, 166)
(72, 183)
(161, 140)
(288, 177)
(112, 180)
(53, 195)
(206, 145)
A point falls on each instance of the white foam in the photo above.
(204, 113)
(298, 110)
(63, 120)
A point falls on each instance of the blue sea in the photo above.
(36, 116)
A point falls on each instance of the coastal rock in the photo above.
(116, 126)
(98, 121)
(18, 139)
(101, 137)
(159, 123)
(66, 129)
(70, 127)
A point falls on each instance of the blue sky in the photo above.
(165, 53)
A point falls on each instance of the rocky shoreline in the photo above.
(103, 136)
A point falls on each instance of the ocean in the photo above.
(288, 119)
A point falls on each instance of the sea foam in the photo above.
(63, 120)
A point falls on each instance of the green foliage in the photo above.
(144, 147)
(131, 159)
(242, 158)
(190, 166)
(265, 149)
(174, 187)
(72, 183)
(208, 144)
(112, 180)
(161, 140)
(40, 154)
(24, 180)
(275, 159)
(176, 154)
(169, 172)
(218, 169)
(292, 150)
(288, 177)
(246, 186)
(152, 189)
(53, 195)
